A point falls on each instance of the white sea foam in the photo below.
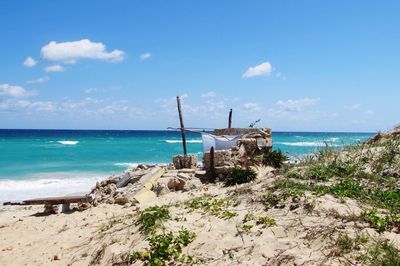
(307, 144)
(332, 139)
(129, 165)
(68, 142)
(180, 141)
(48, 185)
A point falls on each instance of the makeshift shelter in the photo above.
(234, 146)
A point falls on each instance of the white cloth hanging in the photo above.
(218, 142)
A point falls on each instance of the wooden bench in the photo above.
(51, 201)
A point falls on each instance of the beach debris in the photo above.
(185, 161)
(133, 186)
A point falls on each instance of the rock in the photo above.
(293, 206)
(222, 170)
(188, 161)
(121, 200)
(200, 173)
(161, 189)
(175, 184)
(56, 257)
(192, 184)
(187, 171)
(110, 201)
(111, 189)
(184, 176)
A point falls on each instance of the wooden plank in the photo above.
(52, 200)
(183, 133)
(149, 179)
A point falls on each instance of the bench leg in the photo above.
(65, 207)
(50, 209)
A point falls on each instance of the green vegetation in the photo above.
(265, 221)
(274, 158)
(238, 175)
(276, 198)
(377, 196)
(381, 222)
(216, 207)
(344, 244)
(151, 217)
(382, 253)
(246, 228)
(253, 124)
(166, 249)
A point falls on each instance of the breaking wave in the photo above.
(68, 142)
(180, 141)
(308, 144)
(129, 165)
(48, 185)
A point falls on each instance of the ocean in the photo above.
(37, 163)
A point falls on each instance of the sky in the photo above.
(306, 65)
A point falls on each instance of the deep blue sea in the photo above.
(57, 162)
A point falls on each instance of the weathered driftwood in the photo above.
(178, 100)
(53, 200)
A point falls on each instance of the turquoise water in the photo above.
(55, 162)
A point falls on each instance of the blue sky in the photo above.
(296, 65)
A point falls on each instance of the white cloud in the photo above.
(353, 106)
(54, 68)
(13, 91)
(296, 105)
(30, 62)
(42, 106)
(71, 52)
(279, 75)
(261, 69)
(39, 80)
(89, 90)
(209, 94)
(369, 112)
(145, 56)
(252, 107)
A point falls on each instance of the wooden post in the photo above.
(212, 165)
(230, 119)
(178, 100)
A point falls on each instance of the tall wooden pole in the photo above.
(212, 165)
(230, 119)
(178, 101)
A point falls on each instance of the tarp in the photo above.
(218, 142)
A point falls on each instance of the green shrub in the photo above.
(238, 175)
(265, 221)
(151, 217)
(381, 222)
(215, 207)
(274, 158)
(166, 248)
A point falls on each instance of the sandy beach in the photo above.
(108, 233)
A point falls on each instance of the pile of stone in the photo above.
(185, 179)
(144, 183)
(121, 189)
